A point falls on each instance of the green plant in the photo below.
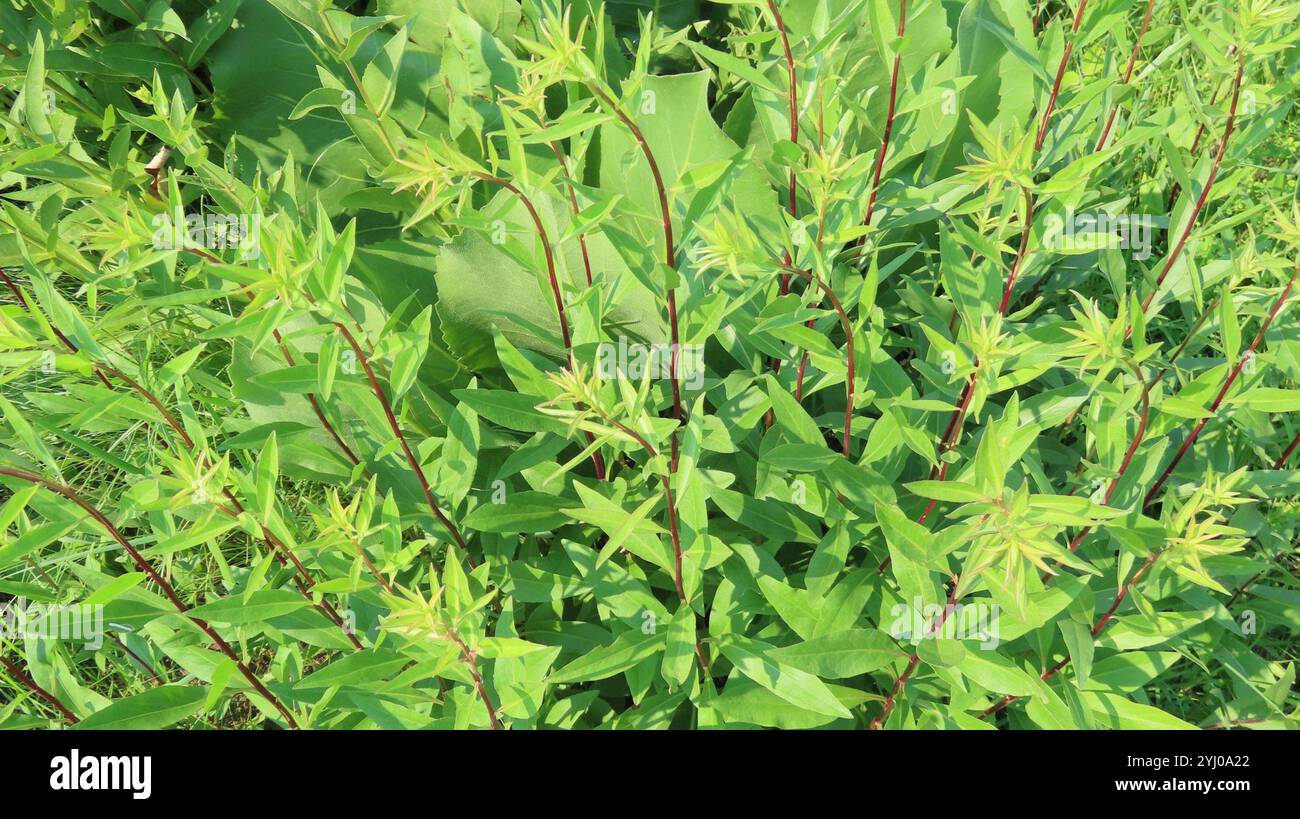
(523, 365)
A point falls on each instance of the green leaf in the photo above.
(946, 491)
(155, 708)
(941, 652)
(268, 471)
(261, 606)
(1268, 399)
(1118, 711)
(800, 457)
(367, 669)
(1078, 639)
(754, 659)
(791, 416)
(842, 654)
(908, 536)
(522, 512)
(679, 651)
(510, 410)
(628, 649)
(997, 674)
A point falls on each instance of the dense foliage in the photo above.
(486, 364)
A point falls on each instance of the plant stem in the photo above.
(18, 674)
(1286, 453)
(913, 662)
(952, 437)
(414, 463)
(1205, 191)
(1124, 592)
(573, 204)
(285, 557)
(1196, 143)
(889, 123)
(361, 88)
(1096, 630)
(1242, 588)
(546, 250)
(1026, 229)
(67, 342)
(144, 566)
(1223, 391)
(1128, 73)
(671, 504)
(792, 97)
(1060, 75)
(311, 397)
(316, 406)
(952, 433)
(276, 546)
(469, 658)
(850, 360)
(670, 249)
(597, 462)
(669, 500)
(1138, 436)
(793, 101)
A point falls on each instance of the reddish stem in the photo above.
(1205, 191)
(168, 591)
(1286, 453)
(311, 397)
(1196, 143)
(468, 657)
(1020, 254)
(573, 204)
(671, 504)
(793, 100)
(1128, 72)
(889, 123)
(951, 439)
(546, 250)
(17, 674)
(414, 462)
(1096, 630)
(316, 407)
(554, 280)
(821, 235)
(669, 501)
(913, 662)
(1124, 592)
(670, 249)
(1128, 454)
(952, 433)
(1244, 586)
(1223, 391)
(849, 357)
(102, 370)
(1060, 75)
(22, 300)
